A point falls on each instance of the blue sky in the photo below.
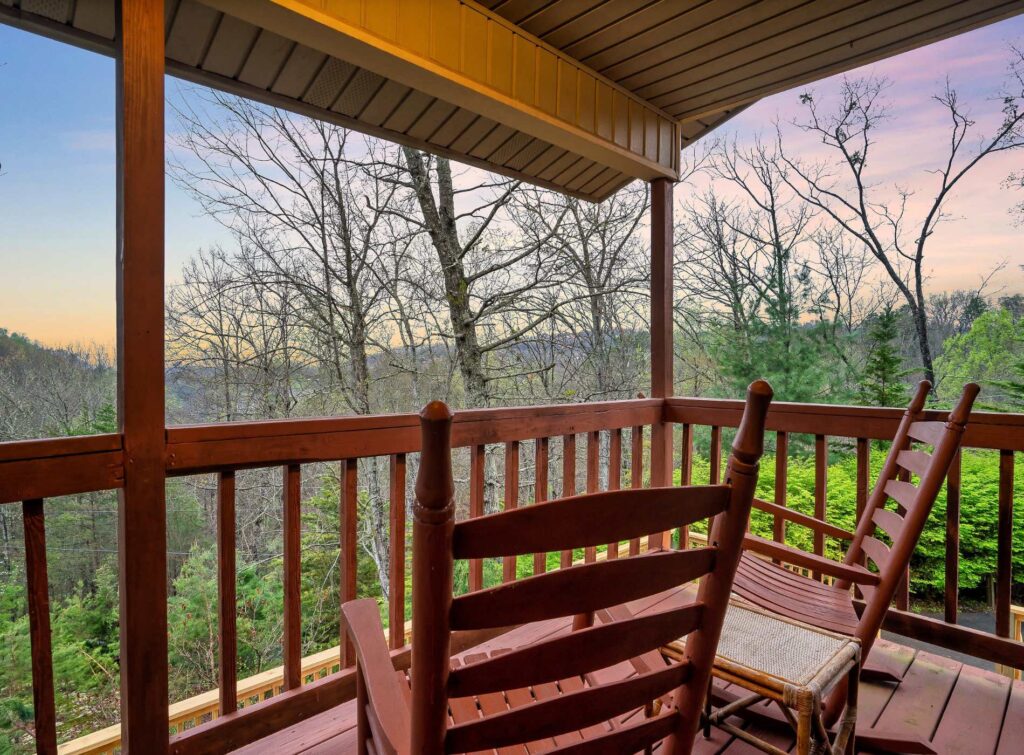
(58, 183)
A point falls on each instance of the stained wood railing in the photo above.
(608, 440)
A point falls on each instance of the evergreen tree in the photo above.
(882, 381)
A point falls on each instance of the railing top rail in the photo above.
(62, 466)
(992, 430)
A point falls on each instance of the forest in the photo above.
(364, 278)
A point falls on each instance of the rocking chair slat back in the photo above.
(555, 669)
(581, 589)
(914, 502)
(904, 493)
(927, 432)
(915, 462)
(587, 520)
(890, 522)
(575, 654)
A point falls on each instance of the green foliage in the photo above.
(979, 497)
(881, 381)
(990, 353)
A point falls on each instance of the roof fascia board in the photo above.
(629, 146)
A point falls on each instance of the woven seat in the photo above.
(790, 652)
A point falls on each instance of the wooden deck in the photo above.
(960, 709)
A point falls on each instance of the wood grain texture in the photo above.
(579, 590)
(585, 521)
(142, 513)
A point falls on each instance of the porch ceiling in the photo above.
(581, 96)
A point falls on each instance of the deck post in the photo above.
(142, 516)
(661, 327)
(433, 526)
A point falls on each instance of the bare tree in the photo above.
(485, 273)
(843, 192)
(594, 337)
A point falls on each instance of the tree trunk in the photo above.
(439, 217)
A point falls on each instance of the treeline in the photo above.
(361, 277)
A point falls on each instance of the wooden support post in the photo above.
(433, 524)
(661, 336)
(142, 513)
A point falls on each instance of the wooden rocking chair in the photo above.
(834, 607)
(526, 698)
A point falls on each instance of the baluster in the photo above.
(636, 473)
(349, 555)
(593, 479)
(686, 456)
(903, 588)
(540, 493)
(685, 474)
(614, 474)
(396, 571)
(508, 570)
(952, 597)
(477, 456)
(820, 491)
(292, 539)
(38, 593)
(226, 592)
(568, 481)
(863, 479)
(1004, 556)
(781, 483)
(715, 475)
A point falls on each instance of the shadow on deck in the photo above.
(959, 708)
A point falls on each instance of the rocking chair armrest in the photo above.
(858, 575)
(362, 619)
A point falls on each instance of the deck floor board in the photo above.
(960, 709)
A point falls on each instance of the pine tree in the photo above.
(882, 380)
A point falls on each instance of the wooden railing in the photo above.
(615, 432)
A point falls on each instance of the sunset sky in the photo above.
(57, 175)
